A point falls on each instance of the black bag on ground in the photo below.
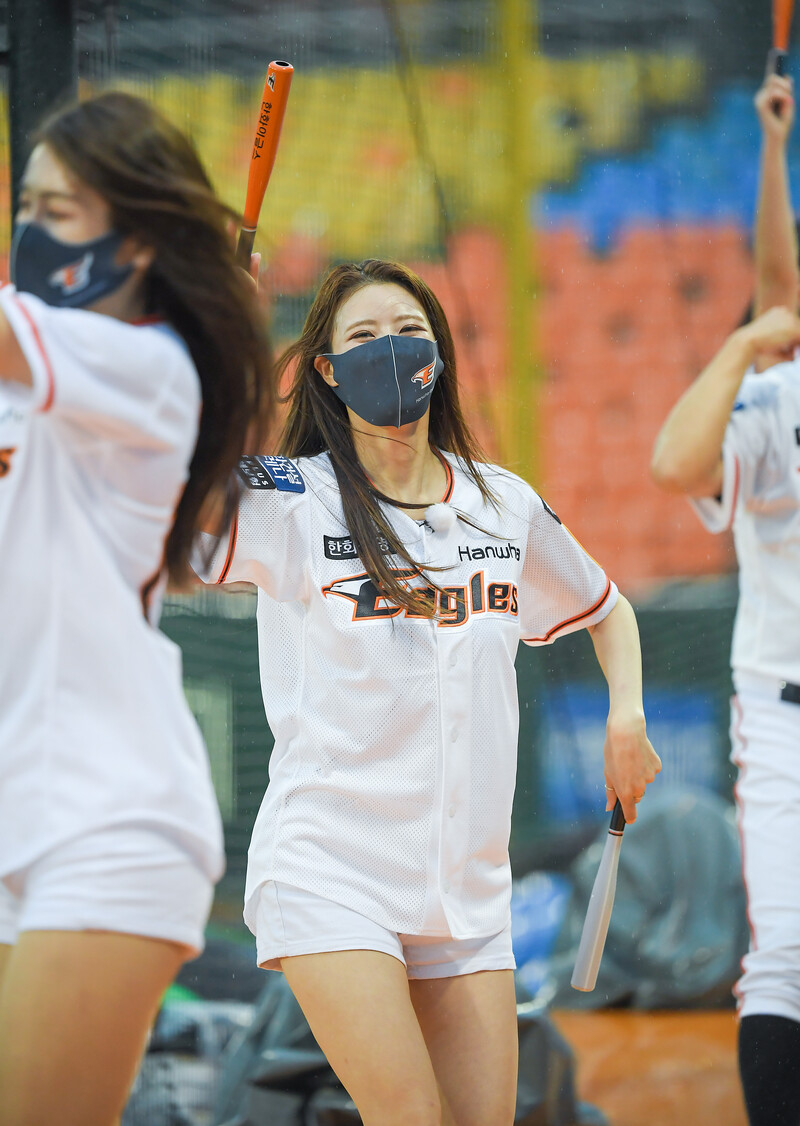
(678, 929)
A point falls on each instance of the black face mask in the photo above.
(66, 274)
(388, 381)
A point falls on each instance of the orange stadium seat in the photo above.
(621, 338)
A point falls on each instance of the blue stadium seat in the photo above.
(692, 171)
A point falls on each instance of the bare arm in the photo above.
(630, 761)
(13, 365)
(777, 271)
(687, 457)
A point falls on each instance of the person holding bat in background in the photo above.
(133, 363)
(397, 572)
(732, 444)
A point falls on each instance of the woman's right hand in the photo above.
(773, 336)
(775, 107)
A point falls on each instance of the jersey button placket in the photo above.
(454, 644)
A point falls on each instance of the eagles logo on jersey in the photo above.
(453, 605)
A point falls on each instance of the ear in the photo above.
(325, 369)
(143, 258)
(136, 254)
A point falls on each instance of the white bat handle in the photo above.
(598, 914)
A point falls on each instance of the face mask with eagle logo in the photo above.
(388, 381)
(70, 275)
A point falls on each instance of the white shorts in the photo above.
(125, 879)
(290, 921)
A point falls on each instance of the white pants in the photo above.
(290, 921)
(765, 737)
(126, 879)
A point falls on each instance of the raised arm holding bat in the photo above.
(777, 280)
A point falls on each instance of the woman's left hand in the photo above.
(630, 762)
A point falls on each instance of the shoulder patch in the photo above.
(268, 471)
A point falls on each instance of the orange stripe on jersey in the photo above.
(48, 402)
(735, 490)
(577, 618)
(231, 548)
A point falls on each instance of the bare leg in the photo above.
(358, 1006)
(5, 955)
(470, 1028)
(75, 1010)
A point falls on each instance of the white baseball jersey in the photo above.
(392, 776)
(761, 498)
(94, 727)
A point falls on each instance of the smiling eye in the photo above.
(362, 334)
(413, 328)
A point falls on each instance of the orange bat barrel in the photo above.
(265, 147)
(781, 25)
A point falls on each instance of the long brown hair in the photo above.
(318, 421)
(151, 177)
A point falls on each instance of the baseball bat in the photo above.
(598, 913)
(781, 23)
(262, 158)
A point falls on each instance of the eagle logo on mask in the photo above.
(73, 277)
(424, 377)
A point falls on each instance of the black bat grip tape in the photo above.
(776, 61)
(617, 819)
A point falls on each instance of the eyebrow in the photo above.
(48, 194)
(400, 317)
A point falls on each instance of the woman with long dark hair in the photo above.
(397, 572)
(133, 361)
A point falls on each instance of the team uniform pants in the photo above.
(765, 737)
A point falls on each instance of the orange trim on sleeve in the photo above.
(48, 402)
(578, 617)
(231, 548)
(735, 497)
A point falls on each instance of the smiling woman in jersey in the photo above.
(132, 360)
(397, 573)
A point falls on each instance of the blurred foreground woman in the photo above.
(132, 360)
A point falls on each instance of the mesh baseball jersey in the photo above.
(94, 727)
(393, 771)
(761, 498)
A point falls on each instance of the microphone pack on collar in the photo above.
(440, 517)
(387, 381)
